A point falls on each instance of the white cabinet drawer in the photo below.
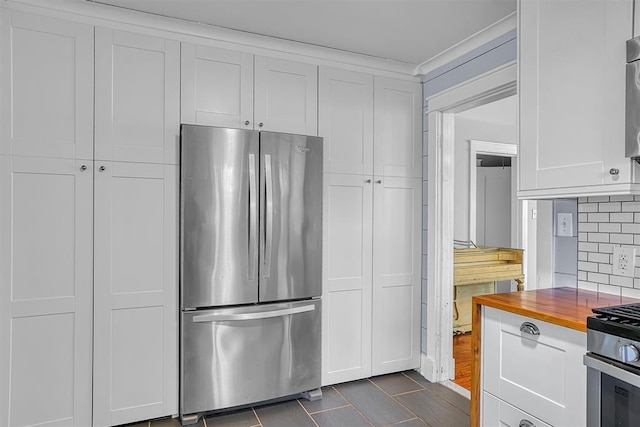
(496, 412)
(541, 374)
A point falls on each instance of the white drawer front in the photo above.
(496, 412)
(541, 374)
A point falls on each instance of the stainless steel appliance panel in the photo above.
(237, 356)
(219, 218)
(291, 212)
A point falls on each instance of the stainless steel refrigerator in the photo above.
(251, 267)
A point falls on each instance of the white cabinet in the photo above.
(572, 98)
(345, 120)
(137, 98)
(347, 278)
(541, 375)
(496, 412)
(46, 244)
(135, 276)
(234, 89)
(397, 233)
(46, 87)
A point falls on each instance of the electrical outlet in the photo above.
(565, 225)
(624, 261)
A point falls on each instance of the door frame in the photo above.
(494, 149)
(437, 364)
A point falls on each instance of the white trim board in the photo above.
(440, 115)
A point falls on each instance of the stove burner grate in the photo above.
(626, 314)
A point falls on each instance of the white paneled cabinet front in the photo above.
(347, 275)
(234, 89)
(572, 97)
(135, 276)
(396, 274)
(46, 244)
(137, 97)
(46, 87)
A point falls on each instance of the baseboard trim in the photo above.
(428, 368)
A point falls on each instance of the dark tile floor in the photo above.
(403, 399)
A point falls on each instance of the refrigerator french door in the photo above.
(251, 250)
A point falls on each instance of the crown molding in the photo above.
(493, 31)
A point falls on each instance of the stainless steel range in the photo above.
(613, 366)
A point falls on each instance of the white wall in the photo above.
(465, 130)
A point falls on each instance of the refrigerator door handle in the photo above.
(253, 218)
(269, 215)
(213, 317)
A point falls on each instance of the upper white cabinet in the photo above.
(46, 87)
(234, 89)
(397, 129)
(46, 255)
(137, 97)
(572, 97)
(217, 87)
(345, 120)
(135, 277)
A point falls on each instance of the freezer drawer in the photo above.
(236, 356)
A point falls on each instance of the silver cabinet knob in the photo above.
(368, 181)
(260, 124)
(628, 353)
(526, 423)
(246, 122)
(379, 181)
(529, 328)
(614, 171)
(83, 168)
(102, 168)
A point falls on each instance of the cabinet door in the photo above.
(46, 87)
(397, 132)
(135, 309)
(396, 274)
(496, 412)
(346, 120)
(137, 97)
(217, 87)
(347, 253)
(572, 94)
(45, 291)
(286, 96)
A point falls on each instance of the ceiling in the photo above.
(408, 31)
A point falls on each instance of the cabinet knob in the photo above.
(368, 181)
(83, 168)
(246, 122)
(614, 171)
(260, 124)
(379, 181)
(526, 423)
(529, 328)
(102, 168)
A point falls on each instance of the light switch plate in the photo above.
(624, 261)
(565, 225)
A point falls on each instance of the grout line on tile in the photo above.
(257, 417)
(395, 400)
(307, 412)
(423, 387)
(330, 409)
(354, 407)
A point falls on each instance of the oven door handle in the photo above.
(611, 370)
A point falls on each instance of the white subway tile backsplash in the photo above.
(636, 283)
(604, 268)
(596, 237)
(609, 207)
(598, 257)
(583, 199)
(622, 198)
(598, 217)
(609, 227)
(636, 217)
(630, 293)
(588, 247)
(626, 282)
(636, 240)
(598, 199)
(621, 217)
(630, 206)
(609, 289)
(583, 237)
(631, 228)
(606, 248)
(623, 239)
(584, 227)
(582, 256)
(588, 207)
(587, 286)
(598, 278)
(582, 217)
(587, 266)
(582, 275)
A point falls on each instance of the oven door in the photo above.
(613, 392)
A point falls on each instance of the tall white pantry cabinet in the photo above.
(372, 206)
(88, 225)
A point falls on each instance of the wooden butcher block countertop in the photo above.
(568, 307)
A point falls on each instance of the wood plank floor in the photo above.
(402, 399)
(462, 356)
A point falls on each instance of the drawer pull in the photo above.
(531, 329)
(526, 423)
